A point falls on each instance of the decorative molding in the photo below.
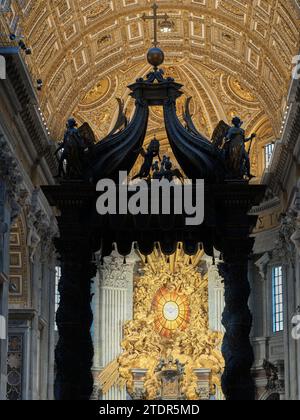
(22, 314)
(269, 203)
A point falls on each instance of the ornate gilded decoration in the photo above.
(170, 374)
(172, 311)
(76, 45)
(178, 280)
(97, 92)
(241, 91)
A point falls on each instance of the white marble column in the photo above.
(113, 307)
(216, 301)
(34, 374)
(216, 305)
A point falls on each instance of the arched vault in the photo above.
(233, 57)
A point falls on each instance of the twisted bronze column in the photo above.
(237, 381)
(74, 351)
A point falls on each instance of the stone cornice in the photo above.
(265, 206)
(19, 79)
(22, 314)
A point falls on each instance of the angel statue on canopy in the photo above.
(232, 140)
(77, 148)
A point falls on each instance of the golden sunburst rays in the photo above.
(172, 311)
(170, 320)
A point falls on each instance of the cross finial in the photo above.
(155, 17)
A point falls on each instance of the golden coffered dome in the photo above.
(233, 57)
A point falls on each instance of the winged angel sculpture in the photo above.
(76, 146)
(231, 140)
(225, 157)
(77, 149)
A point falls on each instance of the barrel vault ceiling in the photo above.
(233, 57)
